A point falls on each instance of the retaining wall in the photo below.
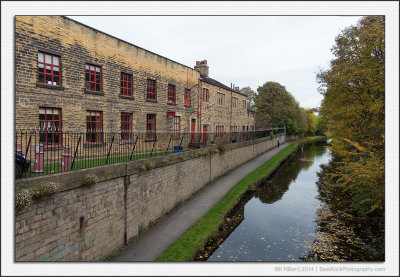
(87, 223)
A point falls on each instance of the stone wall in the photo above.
(87, 223)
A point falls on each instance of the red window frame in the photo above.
(244, 104)
(219, 130)
(94, 127)
(234, 102)
(93, 78)
(221, 99)
(176, 125)
(47, 69)
(126, 126)
(126, 84)
(171, 94)
(206, 95)
(151, 127)
(188, 100)
(50, 128)
(151, 90)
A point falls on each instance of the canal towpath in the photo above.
(151, 244)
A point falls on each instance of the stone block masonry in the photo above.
(87, 223)
(78, 45)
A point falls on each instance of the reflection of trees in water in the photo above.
(341, 235)
(273, 190)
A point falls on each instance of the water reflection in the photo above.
(279, 218)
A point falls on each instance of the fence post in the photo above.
(65, 158)
(109, 150)
(26, 152)
(133, 149)
(166, 151)
(154, 143)
(76, 150)
(180, 144)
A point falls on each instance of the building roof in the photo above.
(215, 82)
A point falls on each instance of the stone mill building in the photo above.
(71, 76)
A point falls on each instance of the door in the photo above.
(193, 129)
(205, 134)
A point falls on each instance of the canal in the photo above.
(277, 221)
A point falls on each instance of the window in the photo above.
(151, 90)
(50, 126)
(126, 127)
(234, 102)
(219, 131)
(126, 85)
(244, 104)
(187, 97)
(206, 95)
(93, 78)
(177, 125)
(221, 99)
(151, 127)
(94, 127)
(171, 94)
(49, 69)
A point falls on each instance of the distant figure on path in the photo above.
(279, 143)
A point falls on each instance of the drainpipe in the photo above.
(201, 100)
(230, 116)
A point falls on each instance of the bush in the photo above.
(89, 180)
(221, 148)
(44, 190)
(22, 199)
(148, 165)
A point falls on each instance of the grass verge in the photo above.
(186, 247)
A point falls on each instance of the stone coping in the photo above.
(71, 179)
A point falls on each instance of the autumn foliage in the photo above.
(353, 110)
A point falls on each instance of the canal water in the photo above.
(278, 223)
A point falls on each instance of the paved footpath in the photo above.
(156, 240)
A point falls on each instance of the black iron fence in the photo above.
(42, 153)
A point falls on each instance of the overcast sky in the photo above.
(244, 50)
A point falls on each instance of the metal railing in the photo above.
(43, 153)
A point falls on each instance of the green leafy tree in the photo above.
(354, 114)
(312, 122)
(251, 97)
(291, 128)
(274, 105)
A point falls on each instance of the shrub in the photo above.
(142, 168)
(165, 162)
(44, 190)
(148, 165)
(221, 148)
(22, 199)
(89, 180)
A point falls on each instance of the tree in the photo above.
(274, 105)
(291, 128)
(353, 110)
(312, 122)
(251, 96)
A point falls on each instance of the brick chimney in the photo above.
(202, 67)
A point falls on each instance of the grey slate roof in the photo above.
(215, 82)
